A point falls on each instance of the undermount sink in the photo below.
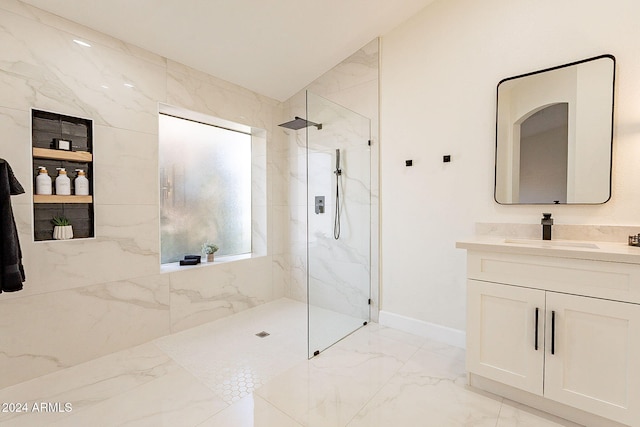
(552, 243)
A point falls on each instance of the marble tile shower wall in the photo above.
(87, 298)
(339, 269)
(353, 84)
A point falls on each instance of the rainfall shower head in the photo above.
(300, 123)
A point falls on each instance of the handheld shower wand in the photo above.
(336, 221)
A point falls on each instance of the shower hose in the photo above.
(336, 220)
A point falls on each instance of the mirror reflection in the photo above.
(554, 134)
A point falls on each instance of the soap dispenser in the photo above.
(81, 183)
(63, 183)
(43, 182)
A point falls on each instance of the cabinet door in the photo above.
(595, 365)
(501, 334)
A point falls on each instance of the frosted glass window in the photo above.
(205, 189)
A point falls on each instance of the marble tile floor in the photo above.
(221, 375)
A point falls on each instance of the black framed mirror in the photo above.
(554, 134)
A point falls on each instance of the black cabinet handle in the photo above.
(536, 338)
(553, 332)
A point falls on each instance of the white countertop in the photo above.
(597, 251)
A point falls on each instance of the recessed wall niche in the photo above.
(60, 141)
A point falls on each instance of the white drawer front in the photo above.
(600, 279)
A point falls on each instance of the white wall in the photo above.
(439, 73)
(592, 118)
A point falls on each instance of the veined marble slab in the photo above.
(597, 251)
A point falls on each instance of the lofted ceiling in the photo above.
(273, 47)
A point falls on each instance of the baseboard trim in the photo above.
(543, 404)
(443, 334)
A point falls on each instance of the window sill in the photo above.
(175, 266)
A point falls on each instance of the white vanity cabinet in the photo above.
(595, 365)
(564, 330)
(501, 334)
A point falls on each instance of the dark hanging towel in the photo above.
(11, 270)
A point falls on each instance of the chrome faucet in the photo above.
(546, 222)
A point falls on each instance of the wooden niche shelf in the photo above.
(72, 156)
(41, 198)
(46, 128)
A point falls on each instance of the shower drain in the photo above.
(262, 334)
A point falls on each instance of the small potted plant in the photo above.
(209, 249)
(62, 229)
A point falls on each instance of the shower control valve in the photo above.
(319, 204)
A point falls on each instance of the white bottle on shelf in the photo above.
(63, 183)
(43, 181)
(81, 183)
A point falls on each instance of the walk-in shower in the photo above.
(333, 144)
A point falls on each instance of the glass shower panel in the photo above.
(338, 222)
